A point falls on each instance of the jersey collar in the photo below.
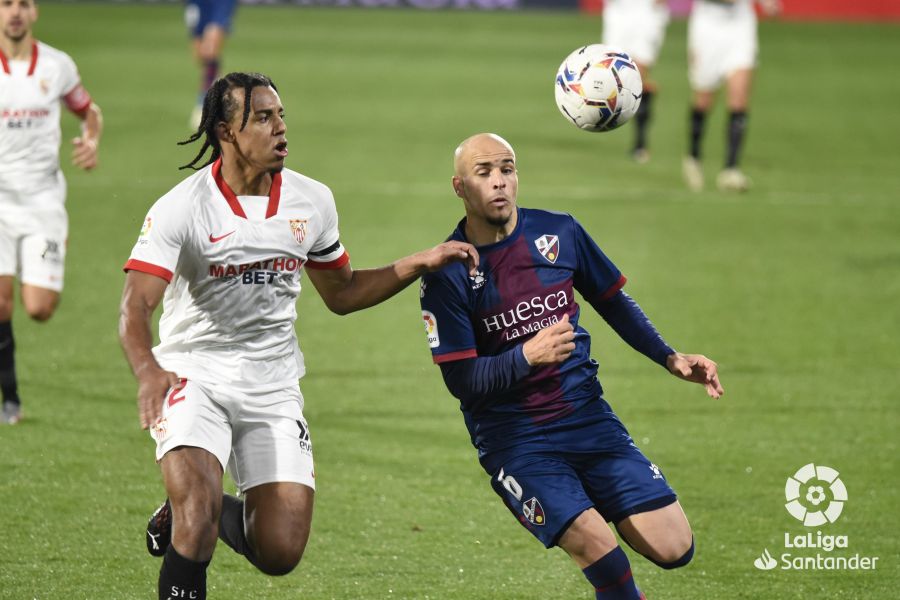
(231, 198)
(31, 65)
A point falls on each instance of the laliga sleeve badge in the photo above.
(548, 246)
(431, 329)
(533, 511)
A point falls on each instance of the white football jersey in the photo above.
(233, 265)
(30, 95)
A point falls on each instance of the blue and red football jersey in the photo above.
(524, 283)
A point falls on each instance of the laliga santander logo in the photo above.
(807, 493)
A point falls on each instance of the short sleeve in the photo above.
(446, 316)
(159, 244)
(72, 93)
(327, 252)
(596, 277)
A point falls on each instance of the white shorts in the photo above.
(33, 240)
(258, 438)
(720, 42)
(636, 26)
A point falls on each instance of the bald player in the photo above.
(511, 350)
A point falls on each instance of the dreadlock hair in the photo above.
(219, 105)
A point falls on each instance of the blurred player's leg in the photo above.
(207, 49)
(8, 383)
(692, 168)
(40, 303)
(739, 83)
(640, 153)
(193, 480)
(591, 544)
(663, 535)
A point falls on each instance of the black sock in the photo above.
(737, 125)
(231, 525)
(641, 119)
(698, 121)
(181, 578)
(8, 363)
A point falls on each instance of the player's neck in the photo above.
(244, 180)
(17, 50)
(481, 233)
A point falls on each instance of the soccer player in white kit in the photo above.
(35, 79)
(224, 250)
(722, 46)
(638, 27)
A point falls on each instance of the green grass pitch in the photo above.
(793, 288)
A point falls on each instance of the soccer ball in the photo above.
(598, 88)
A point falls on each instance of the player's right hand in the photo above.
(153, 386)
(552, 345)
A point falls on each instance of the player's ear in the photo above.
(458, 186)
(224, 133)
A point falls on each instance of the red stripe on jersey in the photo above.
(337, 263)
(274, 196)
(232, 200)
(5, 64)
(234, 203)
(33, 59)
(451, 356)
(149, 268)
(614, 288)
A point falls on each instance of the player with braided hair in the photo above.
(226, 247)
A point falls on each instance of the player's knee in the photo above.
(278, 561)
(675, 556)
(41, 311)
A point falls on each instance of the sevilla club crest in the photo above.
(298, 228)
(548, 246)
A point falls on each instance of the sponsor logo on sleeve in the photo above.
(431, 329)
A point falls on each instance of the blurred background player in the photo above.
(511, 349)
(227, 247)
(35, 80)
(209, 22)
(638, 27)
(722, 46)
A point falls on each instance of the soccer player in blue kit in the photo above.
(511, 350)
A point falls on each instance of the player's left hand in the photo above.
(698, 369)
(449, 252)
(84, 153)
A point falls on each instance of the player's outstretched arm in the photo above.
(698, 369)
(346, 290)
(85, 146)
(140, 298)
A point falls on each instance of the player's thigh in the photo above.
(40, 303)
(663, 534)
(192, 417)
(271, 441)
(42, 258)
(6, 298)
(542, 491)
(738, 85)
(588, 539)
(278, 518)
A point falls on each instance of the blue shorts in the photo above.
(572, 466)
(200, 13)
